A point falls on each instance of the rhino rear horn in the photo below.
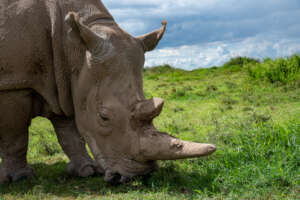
(150, 40)
(148, 109)
(90, 38)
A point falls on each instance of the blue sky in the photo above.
(204, 33)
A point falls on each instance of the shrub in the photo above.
(159, 69)
(240, 61)
(278, 70)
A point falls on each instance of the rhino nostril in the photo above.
(125, 179)
(112, 178)
(212, 148)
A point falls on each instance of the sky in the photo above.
(206, 33)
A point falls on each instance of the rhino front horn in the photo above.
(148, 109)
(156, 145)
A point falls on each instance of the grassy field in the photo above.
(252, 117)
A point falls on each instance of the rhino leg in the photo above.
(15, 109)
(81, 164)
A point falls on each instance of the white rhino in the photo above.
(68, 61)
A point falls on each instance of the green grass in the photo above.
(254, 122)
(279, 70)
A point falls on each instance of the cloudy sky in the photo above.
(204, 33)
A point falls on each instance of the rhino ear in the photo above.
(90, 38)
(151, 40)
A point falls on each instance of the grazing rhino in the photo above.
(68, 61)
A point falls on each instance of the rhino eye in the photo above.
(103, 116)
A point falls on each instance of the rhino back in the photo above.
(34, 48)
(26, 59)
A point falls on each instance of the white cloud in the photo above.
(217, 53)
(198, 7)
(133, 26)
(203, 33)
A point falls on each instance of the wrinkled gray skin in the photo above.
(69, 61)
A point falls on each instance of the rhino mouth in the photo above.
(122, 170)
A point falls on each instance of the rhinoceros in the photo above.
(69, 61)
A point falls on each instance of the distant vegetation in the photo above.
(249, 109)
(278, 70)
(241, 61)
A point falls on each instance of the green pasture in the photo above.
(249, 109)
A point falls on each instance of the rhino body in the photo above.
(68, 61)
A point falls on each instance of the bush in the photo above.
(278, 70)
(240, 61)
(159, 69)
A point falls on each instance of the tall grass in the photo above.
(279, 70)
(263, 157)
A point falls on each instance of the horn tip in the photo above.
(71, 15)
(212, 148)
(158, 102)
(70, 18)
(164, 23)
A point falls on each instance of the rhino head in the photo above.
(111, 111)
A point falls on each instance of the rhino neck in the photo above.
(87, 10)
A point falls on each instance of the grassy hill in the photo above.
(249, 109)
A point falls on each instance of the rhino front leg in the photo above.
(81, 164)
(15, 109)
